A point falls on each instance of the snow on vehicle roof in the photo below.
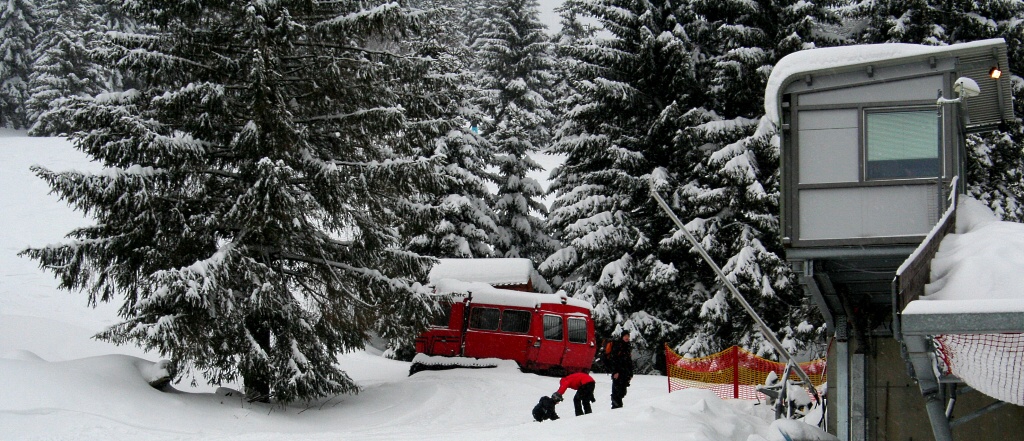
(833, 59)
(979, 269)
(485, 293)
(497, 271)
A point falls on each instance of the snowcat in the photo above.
(543, 333)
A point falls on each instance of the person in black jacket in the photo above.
(620, 362)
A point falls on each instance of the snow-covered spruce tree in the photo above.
(113, 19)
(64, 65)
(634, 80)
(727, 191)
(457, 221)
(731, 204)
(995, 162)
(678, 87)
(17, 39)
(250, 210)
(572, 31)
(516, 71)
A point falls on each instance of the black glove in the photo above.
(557, 397)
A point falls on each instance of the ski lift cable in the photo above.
(765, 330)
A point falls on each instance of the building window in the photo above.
(484, 318)
(902, 144)
(577, 330)
(515, 321)
(552, 327)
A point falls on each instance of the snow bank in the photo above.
(978, 269)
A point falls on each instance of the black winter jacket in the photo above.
(620, 360)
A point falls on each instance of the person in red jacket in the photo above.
(584, 385)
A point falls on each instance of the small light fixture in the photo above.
(995, 73)
(964, 88)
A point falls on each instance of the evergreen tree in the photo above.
(249, 215)
(572, 31)
(17, 38)
(633, 81)
(64, 65)
(729, 193)
(995, 162)
(679, 87)
(457, 221)
(516, 73)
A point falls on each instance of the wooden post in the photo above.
(735, 371)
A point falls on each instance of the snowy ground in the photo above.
(57, 383)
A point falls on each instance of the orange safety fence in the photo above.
(732, 373)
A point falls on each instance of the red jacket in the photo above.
(574, 381)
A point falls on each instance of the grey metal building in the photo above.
(872, 145)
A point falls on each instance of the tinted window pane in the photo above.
(515, 321)
(484, 318)
(902, 144)
(444, 316)
(552, 327)
(577, 330)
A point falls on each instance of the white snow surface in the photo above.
(497, 271)
(484, 293)
(58, 383)
(822, 59)
(978, 269)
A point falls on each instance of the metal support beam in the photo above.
(842, 372)
(960, 322)
(814, 292)
(919, 351)
(976, 414)
(858, 399)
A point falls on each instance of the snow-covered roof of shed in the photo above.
(980, 269)
(485, 293)
(835, 59)
(497, 271)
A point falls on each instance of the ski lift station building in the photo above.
(872, 143)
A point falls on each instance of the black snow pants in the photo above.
(619, 386)
(584, 396)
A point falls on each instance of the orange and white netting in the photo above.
(992, 364)
(732, 373)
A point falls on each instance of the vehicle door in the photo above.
(481, 328)
(579, 348)
(551, 341)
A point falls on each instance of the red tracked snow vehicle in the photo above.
(548, 333)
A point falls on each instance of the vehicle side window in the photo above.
(442, 318)
(515, 321)
(577, 330)
(484, 318)
(552, 327)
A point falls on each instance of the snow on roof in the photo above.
(497, 271)
(485, 293)
(978, 269)
(829, 59)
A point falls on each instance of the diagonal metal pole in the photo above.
(765, 330)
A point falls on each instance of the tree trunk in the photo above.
(257, 383)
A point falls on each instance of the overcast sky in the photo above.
(548, 15)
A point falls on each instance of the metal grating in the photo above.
(994, 105)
